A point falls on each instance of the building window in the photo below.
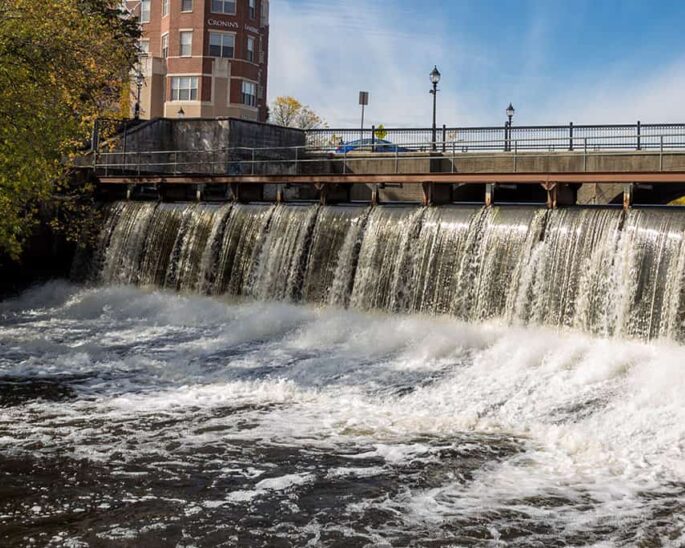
(249, 94)
(252, 8)
(165, 8)
(250, 49)
(186, 5)
(264, 14)
(184, 88)
(145, 11)
(165, 46)
(223, 6)
(144, 48)
(186, 48)
(221, 44)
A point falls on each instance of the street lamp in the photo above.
(435, 78)
(140, 80)
(507, 133)
(510, 112)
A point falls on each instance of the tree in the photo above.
(288, 111)
(63, 63)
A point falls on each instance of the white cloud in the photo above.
(325, 51)
(657, 95)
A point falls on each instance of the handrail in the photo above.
(247, 160)
(381, 146)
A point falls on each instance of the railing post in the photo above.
(585, 154)
(639, 135)
(661, 152)
(570, 136)
(125, 144)
(516, 149)
(453, 151)
(506, 136)
(297, 159)
(373, 139)
(444, 137)
(345, 161)
(253, 160)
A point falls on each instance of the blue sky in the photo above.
(557, 61)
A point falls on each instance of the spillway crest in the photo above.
(605, 271)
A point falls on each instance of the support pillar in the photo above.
(427, 190)
(129, 191)
(375, 200)
(235, 191)
(199, 191)
(323, 191)
(489, 194)
(628, 195)
(552, 194)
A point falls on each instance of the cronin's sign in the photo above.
(230, 25)
(223, 24)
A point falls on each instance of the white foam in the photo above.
(600, 417)
(284, 482)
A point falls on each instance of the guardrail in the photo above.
(327, 160)
(634, 136)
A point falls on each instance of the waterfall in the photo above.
(601, 270)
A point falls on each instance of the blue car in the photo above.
(377, 145)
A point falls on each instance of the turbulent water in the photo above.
(346, 376)
(129, 416)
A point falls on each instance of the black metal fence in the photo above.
(540, 138)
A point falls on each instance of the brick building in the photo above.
(203, 58)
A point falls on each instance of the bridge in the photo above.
(558, 165)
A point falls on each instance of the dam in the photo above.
(605, 271)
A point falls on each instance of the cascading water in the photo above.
(600, 270)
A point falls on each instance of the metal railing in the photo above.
(621, 136)
(327, 160)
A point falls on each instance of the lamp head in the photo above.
(435, 75)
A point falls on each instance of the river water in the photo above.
(139, 416)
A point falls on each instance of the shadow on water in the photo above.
(19, 390)
(256, 494)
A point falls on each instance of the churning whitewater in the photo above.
(259, 375)
(134, 416)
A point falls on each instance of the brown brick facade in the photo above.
(212, 86)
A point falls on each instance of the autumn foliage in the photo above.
(62, 64)
(288, 111)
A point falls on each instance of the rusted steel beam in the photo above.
(445, 178)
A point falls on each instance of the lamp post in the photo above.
(140, 80)
(510, 114)
(435, 78)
